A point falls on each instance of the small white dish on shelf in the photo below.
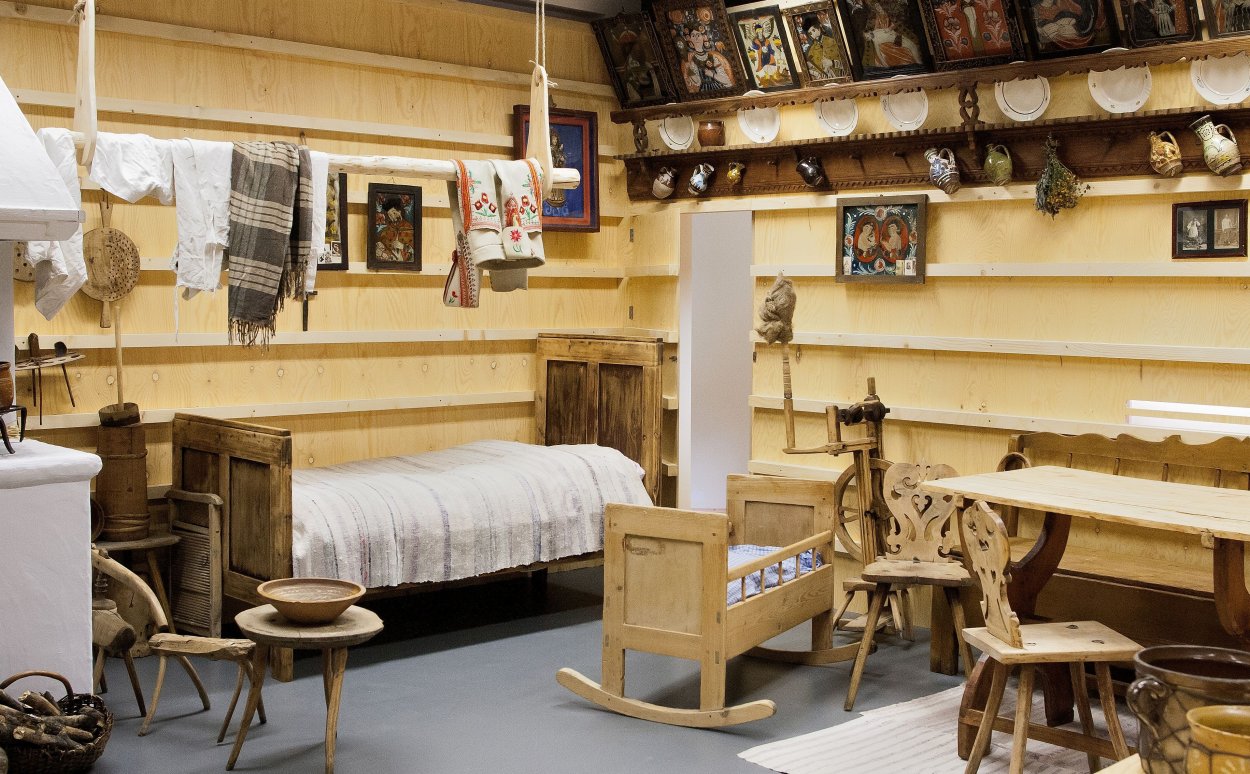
(1222, 81)
(677, 132)
(1024, 99)
(1122, 90)
(906, 111)
(838, 117)
(760, 124)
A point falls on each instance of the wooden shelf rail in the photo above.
(550, 270)
(1212, 269)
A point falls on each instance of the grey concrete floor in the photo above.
(464, 681)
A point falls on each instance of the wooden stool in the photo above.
(180, 646)
(149, 546)
(264, 626)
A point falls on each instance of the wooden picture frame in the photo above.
(1056, 28)
(769, 63)
(885, 38)
(1223, 22)
(632, 55)
(817, 41)
(699, 47)
(575, 145)
(393, 215)
(882, 239)
(1159, 22)
(1215, 229)
(336, 253)
(964, 33)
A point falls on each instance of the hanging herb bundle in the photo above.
(1058, 188)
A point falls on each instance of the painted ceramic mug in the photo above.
(942, 169)
(1219, 148)
(811, 170)
(1165, 154)
(663, 185)
(734, 174)
(701, 179)
(998, 164)
(1219, 740)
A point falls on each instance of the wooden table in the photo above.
(1130, 765)
(149, 546)
(264, 626)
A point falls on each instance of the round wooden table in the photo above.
(264, 626)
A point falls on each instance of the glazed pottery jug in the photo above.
(811, 170)
(711, 133)
(1171, 681)
(662, 186)
(1219, 149)
(734, 175)
(7, 394)
(942, 169)
(701, 178)
(1219, 740)
(1165, 154)
(997, 164)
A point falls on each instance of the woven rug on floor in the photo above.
(918, 737)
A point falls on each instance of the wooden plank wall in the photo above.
(38, 58)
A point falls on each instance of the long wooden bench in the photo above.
(1155, 587)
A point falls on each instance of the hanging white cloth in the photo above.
(132, 166)
(202, 189)
(521, 237)
(59, 266)
(320, 181)
(538, 145)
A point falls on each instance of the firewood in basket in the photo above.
(77, 734)
(51, 725)
(31, 736)
(83, 720)
(8, 701)
(39, 703)
(4, 761)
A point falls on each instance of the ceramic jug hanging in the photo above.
(942, 169)
(700, 179)
(998, 164)
(662, 186)
(1165, 154)
(1219, 148)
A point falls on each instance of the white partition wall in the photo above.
(716, 299)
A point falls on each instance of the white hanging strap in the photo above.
(85, 100)
(538, 147)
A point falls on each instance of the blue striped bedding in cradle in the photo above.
(740, 555)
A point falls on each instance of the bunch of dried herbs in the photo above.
(1058, 188)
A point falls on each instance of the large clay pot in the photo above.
(1219, 740)
(1171, 681)
(711, 134)
(7, 393)
(1219, 148)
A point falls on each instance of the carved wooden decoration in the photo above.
(921, 530)
(987, 546)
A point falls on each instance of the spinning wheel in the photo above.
(850, 514)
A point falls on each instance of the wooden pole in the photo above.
(787, 395)
(117, 348)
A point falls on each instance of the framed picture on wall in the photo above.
(632, 54)
(886, 37)
(972, 33)
(575, 145)
(1227, 18)
(699, 48)
(1209, 229)
(882, 239)
(820, 54)
(335, 256)
(1154, 22)
(1068, 27)
(394, 218)
(762, 44)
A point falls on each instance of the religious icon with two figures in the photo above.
(882, 239)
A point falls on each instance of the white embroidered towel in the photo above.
(475, 219)
(59, 266)
(520, 194)
(320, 180)
(133, 166)
(202, 194)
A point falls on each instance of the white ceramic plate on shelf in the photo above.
(1024, 99)
(760, 124)
(1223, 81)
(838, 117)
(1122, 90)
(906, 111)
(677, 132)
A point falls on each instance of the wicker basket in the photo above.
(25, 759)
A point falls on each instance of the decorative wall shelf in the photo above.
(964, 79)
(439, 270)
(1215, 269)
(1093, 147)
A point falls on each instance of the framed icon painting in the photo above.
(334, 257)
(971, 33)
(1155, 22)
(1227, 18)
(761, 42)
(886, 37)
(816, 33)
(632, 54)
(574, 145)
(882, 239)
(699, 48)
(394, 213)
(1068, 27)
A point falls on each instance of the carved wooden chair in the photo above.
(177, 646)
(1008, 645)
(918, 548)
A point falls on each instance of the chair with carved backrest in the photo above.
(1008, 644)
(918, 548)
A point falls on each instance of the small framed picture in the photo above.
(762, 44)
(699, 48)
(882, 239)
(1209, 229)
(886, 38)
(574, 145)
(817, 37)
(632, 55)
(394, 213)
(335, 256)
(1226, 19)
(1069, 27)
(972, 33)
(1154, 22)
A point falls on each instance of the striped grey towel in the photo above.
(270, 234)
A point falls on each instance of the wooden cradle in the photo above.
(590, 389)
(665, 580)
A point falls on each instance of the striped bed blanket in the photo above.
(456, 513)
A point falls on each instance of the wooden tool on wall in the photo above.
(112, 271)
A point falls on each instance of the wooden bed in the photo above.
(603, 390)
(665, 580)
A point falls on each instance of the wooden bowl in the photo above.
(311, 600)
